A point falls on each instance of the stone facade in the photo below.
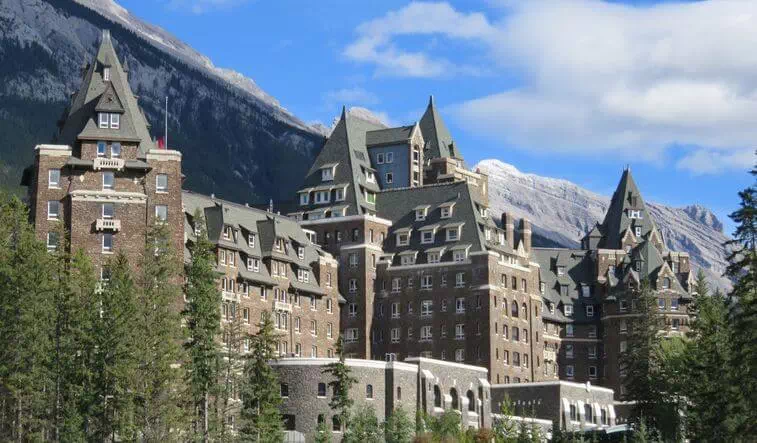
(429, 385)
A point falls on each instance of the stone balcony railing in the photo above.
(550, 355)
(108, 224)
(109, 163)
(230, 296)
(282, 306)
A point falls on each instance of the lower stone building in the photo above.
(433, 386)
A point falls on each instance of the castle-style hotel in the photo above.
(390, 243)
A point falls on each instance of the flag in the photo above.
(161, 143)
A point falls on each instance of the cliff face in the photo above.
(237, 140)
(562, 212)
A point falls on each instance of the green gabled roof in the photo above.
(80, 121)
(626, 197)
(435, 133)
(389, 136)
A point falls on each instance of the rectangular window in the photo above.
(396, 284)
(107, 242)
(426, 282)
(389, 157)
(352, 310)
(380, 158)
(108, 180)
(427, 237)
(427, 308)
(453, 234)
(53, 210)
(568, 309)
(395, 334)
(568, 351)
(52, 241)
(459, 355)
(115, 150)
(460, 305)
(53, 178)
(389, 178)
(108, 210)
(459, 256)
(327, 174)
(115, 121)
(161, 182)
(351, 335)
(676, 323)
(106, 74)
(313, 328)
(622, 305)
(104, 120)
(590, 311)
(459, 279)
(161, 212)
(403, 239)
(459, 332)
(353, 285)
(569, 330)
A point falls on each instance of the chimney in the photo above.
(508, 224)
(524, 232)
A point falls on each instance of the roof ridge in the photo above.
(431, 185)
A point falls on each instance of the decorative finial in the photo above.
(431, 100)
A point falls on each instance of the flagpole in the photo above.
(166, 135)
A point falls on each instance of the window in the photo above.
(107, 242)
(569, 373)
(313, 327)
(161, 182)
(568, 309)
(459, 256)
(460, 305)
(161, 212)
(321, 389)
(327, 174)
(352, 309)
(395, 310)
(403, 238)
(115, 121)
(446, 211)
(420, 214)
(453, 234)
(353, 285)
(329, 330)
(592, 351)
(106, 74)
(53, 210)
(115, 150)
(353, 260)
(389, 178)
(460, 279)
(569, 330)
(433, 257)
(104, 123)
(516, 334)
(444, 305)
(427, 237)
(661, 304)
(322, 196)
(253, 264)
(427, 308)
(53, 178)
(459, 354)
(380, 158)
(108, 180)
(622, 305)
(674, 304)
(676, 323)
(459, 332)
(426, 333)
(592, 331)
(313, 351)
(335, 424)
(351, 335)
(284, 390)
(590, 311)
(623, 326)
(370, 197)
(426, 282)
(389, 157)
(568, 351)
(52, 241)
(370, 177)
(304, 198)
(369, 391)
(395, 335)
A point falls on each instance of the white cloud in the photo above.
(203, 6)
(598, 77)
(713, 162)
(375, 39)
(346, 96)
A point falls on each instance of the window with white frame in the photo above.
(106, 74)
(370, 197)
(300, 252)
(403, 238)
(339, 194)
(622, 305)
(569, 330)
(623, 326)
(53, 178)
(420, 214)
(593, 371)
(395, 334)
(107, 245)
(52, 241)
(352, 309)
(460, 279)
(459, 331)
(453, 234)
(459, 355)
(253, 264)
(460, 255)
(327, 174)
(370, 177)
(322, 196)
(389, 157)
(569, 373)
(407, 259)
(427, 308)
(353, 259)
(53, 210)
(303, 275)
(433, 257)
(304, 198)
(637, 230)
(446, 211)
(161, 182)
(104, 120)
(108, 180)
(590, 311)
(675, 324)
(353, 285)
(115, 150)
(389, 178)
(426, 282)
(592, 351)
(351, 335)
(313, 327)
(634, 213)
(623, 346)
(396, 284)
(395, 310)
(329, 330)
(460, 305)
(568, 351)
(568, 310)
(427, 236)
(380, 158)
(161, 212)
(426, 333)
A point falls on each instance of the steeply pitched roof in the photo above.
(617, 221)
(80, 120)
(435, 133)
(346, 147)
(578, 272)
(389, 136)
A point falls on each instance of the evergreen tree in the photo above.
(261, 398)
(445, 427)
(114, 362)
(743, 314)
(398, 428)
(642, 366)
(231, 368)
(203, 317)
(27, 323)
(158, 387)
(505, 429)
(322, 433)
(342, 382)
(363, 427)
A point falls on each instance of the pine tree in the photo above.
(231, 368)
(322, 433)
(27, 319)
(363, 427)
(261, 398)
(642, 367)
(398, 428)
(158, 387)
(505, 429)
(743, 314)
(114, 362)
(342, 383)
(203, 317)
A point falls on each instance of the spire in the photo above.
(431, 100)
(627, 211)
(344, 113)
(436, 134)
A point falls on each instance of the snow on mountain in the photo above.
(355, 112)
(182, 51)
(562, 212)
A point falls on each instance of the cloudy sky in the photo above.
(567, 88)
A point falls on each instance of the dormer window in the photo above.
(634, 213)
(568, 310)
(453, 234)
(370, 197)
(637, 230)
(322, 196)
(666, 283)
(674, 266)
(251, 240)
(403, 238)
(542, 287)
(227, 232)
(561, 270)
(370, 177)
(460, 255)
(433, 257)
(104, 120)
(106, 74)
(339, 194)
(115, 121)
(427, 236)
(304, 198)
(327, 174)
(446, 210)
(301, 252)
(420, 213)
(279, 244)
(408, 259)
(109, 120)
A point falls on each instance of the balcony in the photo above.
(230, 296)
(108, 224)
(282, 306)
(109, 163)
(550, 355)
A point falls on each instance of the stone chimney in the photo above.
(524, 232)
(509, 224)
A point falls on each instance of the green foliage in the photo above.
(341, 383)
(445, 427)
(505, 429)
(322, 433)
(261, 399)
(398, 427)
(363, 427)
(203, 319)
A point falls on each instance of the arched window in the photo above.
(368, 391)
(399, 393)
(666, 283)
(336, 426)
(455, 402)
(437, 397)
(471, 401)
(514, 309)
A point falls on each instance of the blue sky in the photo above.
(574, 89)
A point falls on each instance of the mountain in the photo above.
(562, 212)
(237, 140)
